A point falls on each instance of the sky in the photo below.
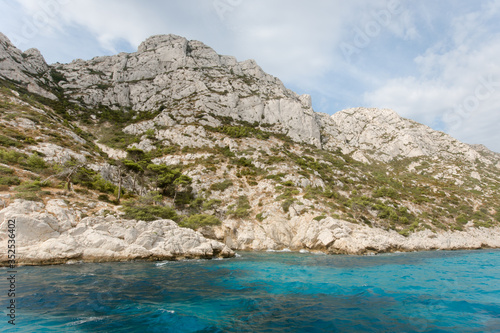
(436, 62)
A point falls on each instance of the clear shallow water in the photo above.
(264, 292)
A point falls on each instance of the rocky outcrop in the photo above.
(336, 236)
(383, 135)
(190, 99)
(54, 233)
(191, 84)
(22, 67)
(169, 72)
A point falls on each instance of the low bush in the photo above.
(286, 205)
(148, 213)
(242, 208)
(31, 191)
(222, 186)
(103, 197)
(199, 220)
(9, 180)
(36, 163)
(211, 204)
(6, 170)
(30, 196)
(12, 157)
(8, 142)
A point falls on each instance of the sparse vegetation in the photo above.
(384, 195)
(222, 186)
(199, 220)
(241, 209)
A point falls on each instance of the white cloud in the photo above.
(458, 84)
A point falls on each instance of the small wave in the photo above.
(163, 263)
(85, 320)
(284, 250)
(304, 251)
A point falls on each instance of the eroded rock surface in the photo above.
(54, 233)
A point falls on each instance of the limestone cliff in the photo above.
(177, 129)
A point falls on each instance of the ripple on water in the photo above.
(267, 292)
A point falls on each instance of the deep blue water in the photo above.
(456, 291)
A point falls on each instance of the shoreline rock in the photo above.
(53, 234)
(333, 236)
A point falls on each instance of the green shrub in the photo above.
(260, 217)
(319, 218)
(243, 161)
(148, 213)
(150, 133)
(36, 163)
(462, 219)
(103, 197)
(6, 170)
(103, 185)
(8, 142)
(242, 132)
(30, 196)
(286, 205)
(116, 138)
(222, 186)
(29, 187)
(242, 208)
(385, 192)
(9, 180)
(276, 177)
(211, 204)
(404, 232)
(31, 191)
(199, 220)
(484, 224)
(12, 157)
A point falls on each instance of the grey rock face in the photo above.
(20, 67)
(169, 72)
(190, 83)
(337, 236)
(383, 135)
(54, 233)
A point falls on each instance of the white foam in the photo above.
(85, 320)
(284, 250)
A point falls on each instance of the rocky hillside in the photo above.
(175, 131)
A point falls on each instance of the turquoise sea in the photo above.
(444, 291)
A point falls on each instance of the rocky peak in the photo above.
(24, 68)
(383, 135)
(171, 73)
(179, 76)
(36, 60)
(155, 42)
(4, 40)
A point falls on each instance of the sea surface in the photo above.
(443, 291)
